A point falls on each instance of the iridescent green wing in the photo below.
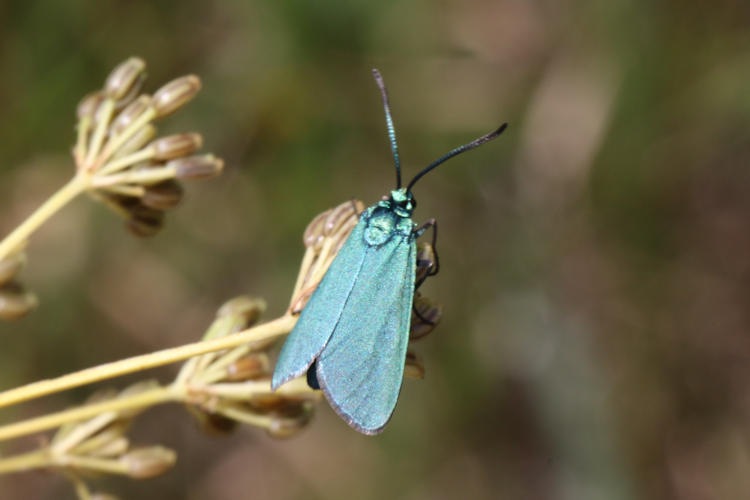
(322, 312)
(361, 368)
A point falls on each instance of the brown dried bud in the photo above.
(250, 308)
(197, 167)
(430, 312)
(414, 368)
(89, 104)
(213, 423)
(176, 94)
(145, 221)
(425, 260)
(175, 146)
(124, 78)
(162, 196)
(113, 448)
(248, 367)
(289, 419)
(343, 233)
(15, 301)
(11, 266)
(130, 114)
(313, 236)
(340, 215)
(100, 495)
(144, 463)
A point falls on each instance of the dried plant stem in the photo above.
(40, 459)
(16, 239)
(27, 461)
(34, 390)
(143, 399)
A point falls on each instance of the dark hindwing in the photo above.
(323, 310)
(361, 367)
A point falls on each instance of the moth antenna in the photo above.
(389, 124)
(454, 152)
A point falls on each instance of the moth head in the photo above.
(402, 202)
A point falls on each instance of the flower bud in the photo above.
(176, 94)
(213, 423)
(89, 104)
(339, 216)
(175, 146)
(289, 419)
(145, 221)
(11, 265)
(162, 196)
(130, 114)
(197, 167)
(430, 312)
(15, 301)
(99, 495)
(125, 78)
(249, 307)
(248, 367)
(137, 141)
(413, 368)
(143, 463)
(313, 236)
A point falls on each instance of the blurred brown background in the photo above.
(596, 258)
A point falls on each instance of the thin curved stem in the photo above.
(34, 390)
(140, 400)
(58, 200)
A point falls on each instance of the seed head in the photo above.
(125, 78)
(15, 301)
(143, 463)
(175, 94)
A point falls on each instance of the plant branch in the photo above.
(64, 195)
(34, 390)
(143, 399)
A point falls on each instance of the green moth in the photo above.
(352, 335)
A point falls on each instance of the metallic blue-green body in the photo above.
(355, 327)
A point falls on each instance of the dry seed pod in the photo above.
(15, 301)
(125, 78)
(213, 423)
(100, 495)
(430, 311)
(289, 419)
(249, 307)
(89, 105)
(162, 196)
(248, 367)
(145, 221)
(11, 265)
(340, 215)
(175, 146)
(130, 114)
(176, 94)
(137, 141)
(143, 463)
(197, 167)
(313, 235)
(414, 368)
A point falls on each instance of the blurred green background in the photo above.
(596, 258)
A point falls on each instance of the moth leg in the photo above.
(432, 223)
